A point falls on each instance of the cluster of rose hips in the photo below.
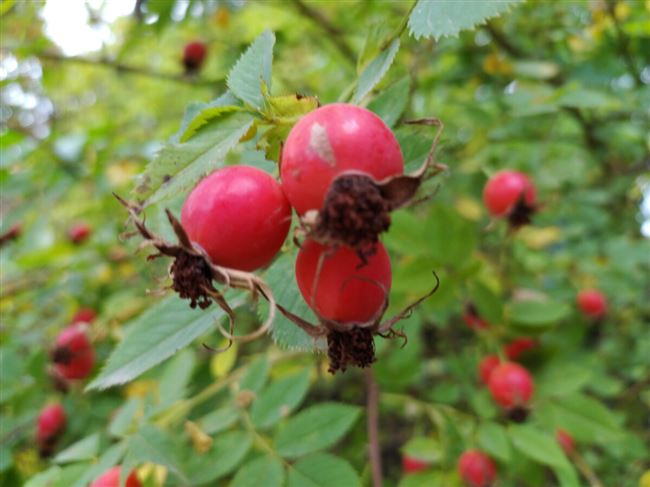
(509, 195)
(340, 171)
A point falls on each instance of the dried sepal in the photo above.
(193, 273)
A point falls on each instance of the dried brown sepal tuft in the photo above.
(521, 214)
(518, 414)
(61, 355)
(191, 276)
(354, 214)
(352, 347)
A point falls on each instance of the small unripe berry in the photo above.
(476, 469)
(486, 367)
(78, 233)
(413, 465)
(194, 55)
(511, 385)
(592, 303)
(51, 422)
(519, 346)
(111, 478)
(73, 355)
(566, 441)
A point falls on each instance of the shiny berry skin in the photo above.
(344, 290)
(51, 422)
(78, 233)
(194, 55)
(74, 355)
(111, 478)
(565, 440)
(476, 469)
(239, 215)
(84, 315)
(511, 385)
(505, 189)
(413, 465)
(486, 366)
(329, 141)
(519, 346)
(592, 303)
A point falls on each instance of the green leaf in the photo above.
(205, 114)
(195, 114)
(255, 376)
(537, 445)
(493, 438)
(151, 444)
(322, 470)
(315, 428)
(279, 399)
(489, 305)
(108, 459)
(391, 103)
(290, 107)
(252, 69)
(378, 34)
(266, 471)
(286, 292)
(425, 449)
(125, 417)
(227, 452)
(375, 71)
(175, 378)
(157, 334)
(439, 18)
(538, 314)
(178, 166)
(218, 420)
(84, 449)
(424, 479)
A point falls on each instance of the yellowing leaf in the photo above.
(201, 440)
(122, 172)
(469, 208)
(141, 388)
(221, 17)
(494, 64)
(644, 481)
(621, 11)
(158, 473)
(539, 238)
(223, 362)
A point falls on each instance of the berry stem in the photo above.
(374, 448)
(586, 470)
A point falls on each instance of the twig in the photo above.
(334, 33)
(503, 41)
(586, 470)
(623, 43)
(374, 449)
(123, 68)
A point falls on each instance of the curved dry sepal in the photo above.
(314, 331)
(192, 273)
(386, 326)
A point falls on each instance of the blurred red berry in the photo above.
(472, 319)
(111, 478)
(413, 465)
(486, 367)
(518, 347)
(476, 469)
(511, 195)
(51, 422)
(83, 315)
(511, 385)
(194, 55)
(565, 440)
(592, 303)
(73, 355)
(78, 233)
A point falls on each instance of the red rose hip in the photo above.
(511, 195)
(194, 55)
(486, 367)
(472, 319)
(84, 315)
(592, 303)
(476, 469)
(73, 355)
(330, 141)
(565, 440)
(111, 478)
(51, 422)
(337, 285)
(511, 385)
(413, 465)
(239, 216)
(518, 347)
(79, 233)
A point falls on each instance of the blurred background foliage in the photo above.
(92, 90)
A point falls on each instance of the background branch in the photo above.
(374, 448)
